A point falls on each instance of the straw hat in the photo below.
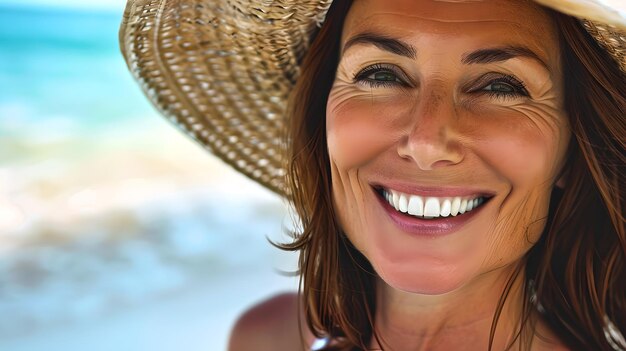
(222, 70)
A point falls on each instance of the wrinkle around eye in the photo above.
(544, 118)
(548, 116)
(341, 93)
(344, 92)
(549, 94)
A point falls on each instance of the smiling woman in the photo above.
(456, 166)
(418, 134)
(478, 119)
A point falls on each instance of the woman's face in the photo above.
(436, 104)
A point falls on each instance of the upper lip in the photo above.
(440, 191)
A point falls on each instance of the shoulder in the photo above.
(271, 324)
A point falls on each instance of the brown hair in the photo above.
(575, 272)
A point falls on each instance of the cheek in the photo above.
(526, 146)
(357, 128)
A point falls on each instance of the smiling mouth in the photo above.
(431, 207)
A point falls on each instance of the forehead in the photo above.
(481, 22)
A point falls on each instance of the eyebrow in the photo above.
(500, 54)
(482, 56)
(395, 46)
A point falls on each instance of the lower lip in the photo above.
(428, 227)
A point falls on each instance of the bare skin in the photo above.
(273, 324)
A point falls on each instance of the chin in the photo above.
(424, 280)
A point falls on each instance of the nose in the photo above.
(432, 140)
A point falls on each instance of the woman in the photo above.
(457, 166)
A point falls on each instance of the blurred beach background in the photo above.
(117, 232)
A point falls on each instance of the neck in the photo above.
(457, 320)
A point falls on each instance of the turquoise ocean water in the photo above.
(61, 73)
(66, 62)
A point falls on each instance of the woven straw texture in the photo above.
(222, 70)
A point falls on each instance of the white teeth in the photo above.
(430, 207)
(456, 204)
(403, 203)
(395, 199)
(416, 205)
(446, 208)
(463, 206)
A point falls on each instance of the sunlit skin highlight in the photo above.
(440, 125)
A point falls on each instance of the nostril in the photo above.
(442, 163)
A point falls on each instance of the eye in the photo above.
(503, 86)
(381, 75)
(500, 87)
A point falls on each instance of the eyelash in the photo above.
(362, 76)
(519, 88)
